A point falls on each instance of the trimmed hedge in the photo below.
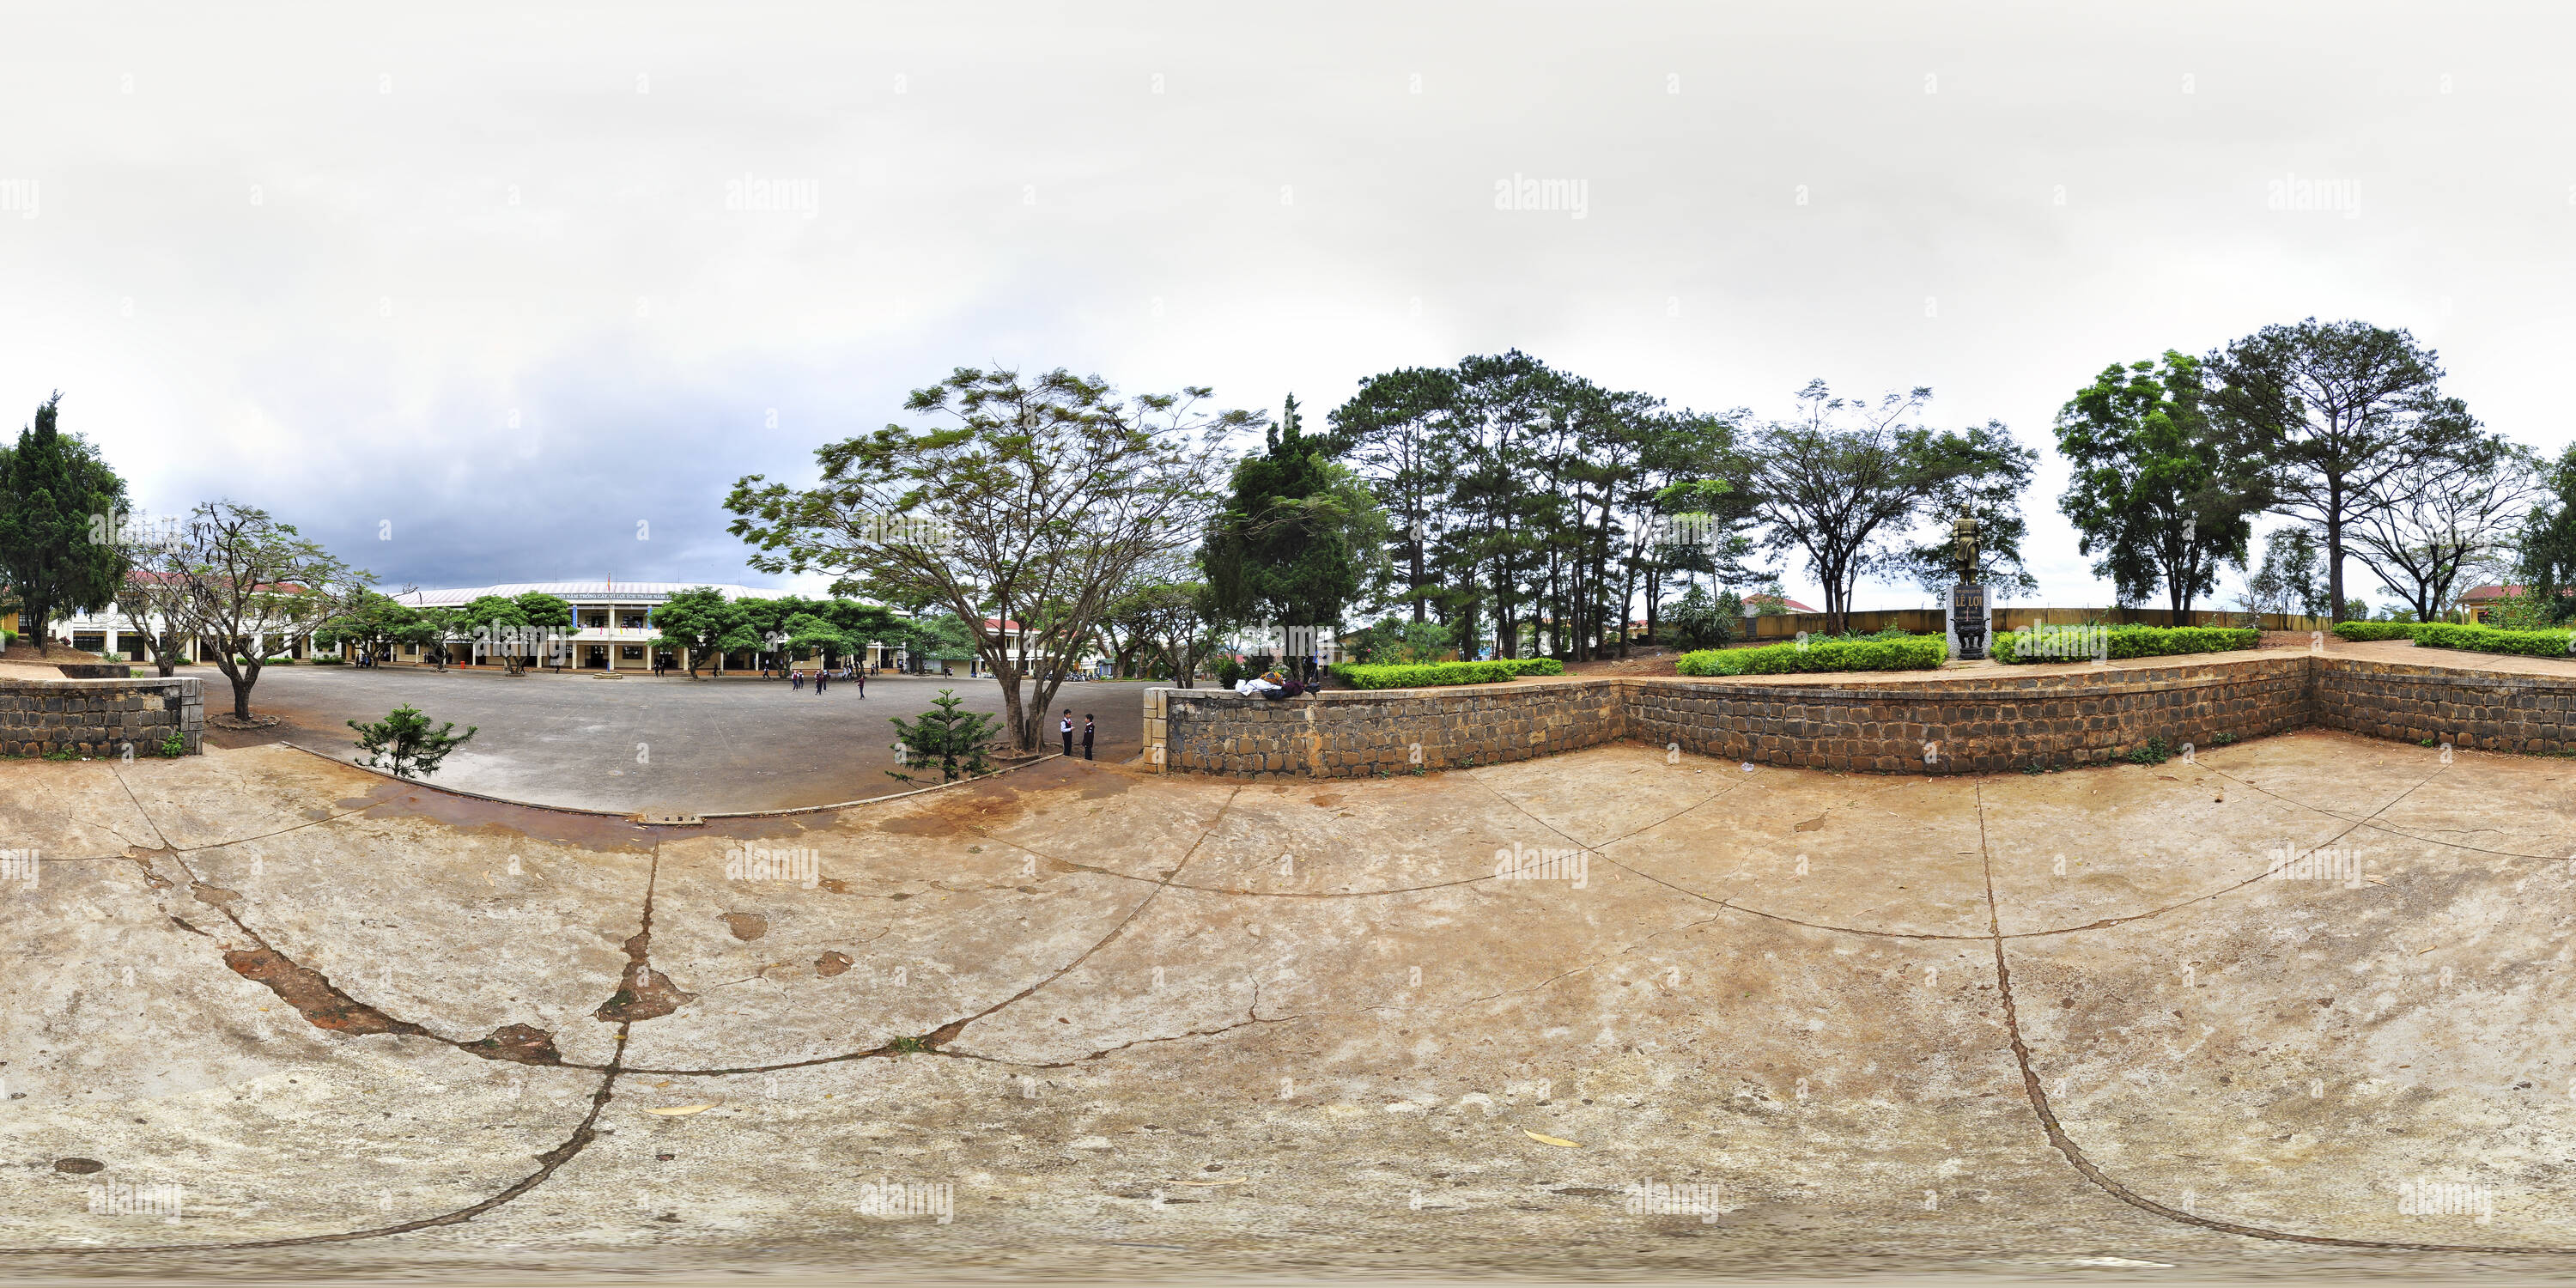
(2487, 639)
(1913, 653)
(1426, 675)
(2128, 641)
(2364, 632)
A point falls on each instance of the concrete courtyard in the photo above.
(273, 1015)
(638, 742)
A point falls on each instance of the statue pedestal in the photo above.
(1970, 621)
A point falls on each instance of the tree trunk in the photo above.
(241, 695)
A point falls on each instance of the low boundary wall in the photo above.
(97, 717)
(1981, 722)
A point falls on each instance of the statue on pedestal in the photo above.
(1968, 615)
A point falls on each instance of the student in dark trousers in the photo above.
(821, 678)
(860, 674)
(1065, 727)
(1086, 735)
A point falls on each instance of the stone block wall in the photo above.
(1983, 721)
(2483, 710)
(96, 717)
(1356, 733)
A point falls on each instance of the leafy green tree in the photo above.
(57, 495)
(371, 623)
(2545, 552)
(1299, 536)
(247, 575)
(2289, 579)
(1845, 482)
(955, 741)
(2434, 520)
(2157, 495)
(495, 624)
(1699, 620)
(2332, 410)
(702, 624)
(404, 743)
(1397, 432)
(1032, 507)
(810, 633)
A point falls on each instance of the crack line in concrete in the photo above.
(2074, 1154)
(580, 1139)
(935, 1041)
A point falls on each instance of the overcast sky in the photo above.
(484, 279)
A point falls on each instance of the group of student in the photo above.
(825, 675)
(1065, 727)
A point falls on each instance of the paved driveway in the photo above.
(641, 742)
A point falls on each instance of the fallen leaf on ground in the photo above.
(1549, 1140)
(1231, 1180)
(678, 1110)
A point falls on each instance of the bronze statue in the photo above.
(1964, 531)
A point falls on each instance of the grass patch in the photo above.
(1899, 653)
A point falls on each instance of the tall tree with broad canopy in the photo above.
(154, 602)
(1030, 505)
(2434, 522)
(703, 625)
(2333, 410)
(1397, 432)
(58, 498)
(1846, 481)
(1300, 536)
(2157, 496)
(2545, 549)
(372, 623)
(251, 577)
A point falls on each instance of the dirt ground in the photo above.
(2295, 1008)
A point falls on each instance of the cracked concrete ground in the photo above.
(1079, 1020)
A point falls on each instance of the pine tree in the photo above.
(404, 743)
(59, 504)
(954, 740)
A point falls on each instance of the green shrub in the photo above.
(2027, 647)
(2363, 632)
(330, 661)
(1424, 675)
(277, 661)
(1903, 653)
(2487, 639)
(174, 746)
